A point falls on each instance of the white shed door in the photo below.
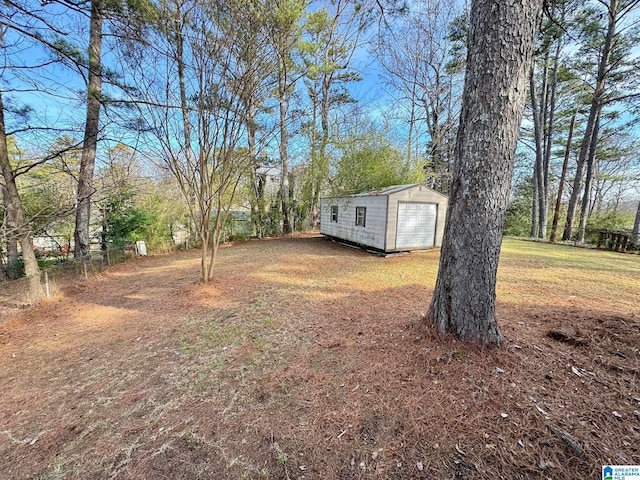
(416, 224)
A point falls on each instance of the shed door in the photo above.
(416, 224)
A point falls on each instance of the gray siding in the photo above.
(382, 215)
(416, 194)
(371, 235)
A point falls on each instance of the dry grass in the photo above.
(306, 359)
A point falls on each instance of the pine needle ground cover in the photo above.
(307, 359)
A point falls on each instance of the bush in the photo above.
(518, 220)
(609, 220)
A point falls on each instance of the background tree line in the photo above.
(130, 120)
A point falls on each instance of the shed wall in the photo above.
(417, 194)
(371, 235)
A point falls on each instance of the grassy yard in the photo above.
(310, 360)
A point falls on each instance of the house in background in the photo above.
(392, 219)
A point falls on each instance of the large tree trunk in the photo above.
(499, 58)
(22, 229)
(603, 70)
(90, 141)
(563, 177)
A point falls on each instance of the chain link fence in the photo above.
(59, 270)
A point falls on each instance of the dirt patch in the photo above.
(306, 359)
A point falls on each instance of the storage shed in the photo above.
(392, 219)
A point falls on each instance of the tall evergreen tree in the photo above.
(500, 46)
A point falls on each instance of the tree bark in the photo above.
(90, 141)
(603, 70)
(563, 177)
(500, 47)
(23, 230)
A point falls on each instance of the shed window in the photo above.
(361, 216)
(334, 213)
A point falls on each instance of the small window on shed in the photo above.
(334, 213)
(361, 216)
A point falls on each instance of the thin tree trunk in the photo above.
(533, 233)
(315, 175)
(256, 201)
(586, 198)
(23, 230)
(563, 177)
(4, 275)
(90, 141)
(635, 234)
(538, 189)
(543, 122)
(283, 101)
(544, 217)
(11, 230)
(412, 121)
(500, 45)
(324, 142)
(591, 122)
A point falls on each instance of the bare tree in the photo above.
(421, 70)
(500, 45)
(192, 97)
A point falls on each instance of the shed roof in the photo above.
(388, 190)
